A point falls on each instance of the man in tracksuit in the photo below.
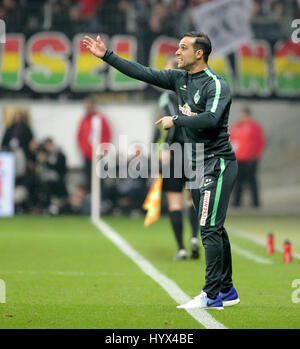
(204, 101)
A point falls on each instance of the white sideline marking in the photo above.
(64, 273)
(202, 316)
(249, 255)
(257, 240)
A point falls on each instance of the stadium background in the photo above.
(46, 73)
(45, 70)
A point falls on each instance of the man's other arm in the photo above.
(218, 97)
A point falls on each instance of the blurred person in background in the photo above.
(74, 16)
(75, 23)
(16, 139)
(57, 168)
(18, 134)
(267, 19)
(60, 12)
(10, 14)
(41, 192)
(31, 179)
(85, 134)
(185, 22)
(174, 186)
(24, 16)
(248, 141)
(162, 20)
(79, 202)
(50, 178)
(88, 8)
(132, 190)
(113, 16)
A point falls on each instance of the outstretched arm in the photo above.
(161, 78)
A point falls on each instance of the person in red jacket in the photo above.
(248, 141)
(93, 121)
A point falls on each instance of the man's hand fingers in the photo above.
(158, 122)
(88, 39)
(88, 42)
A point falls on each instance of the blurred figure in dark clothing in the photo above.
(10, 14)
(50, 190)
(18, 135)
(31, 177)
(40, 188)
(113, 16)
(79, 202)
(16, 139)
(57, 169)
(267, 19)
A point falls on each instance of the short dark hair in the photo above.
(202, 42)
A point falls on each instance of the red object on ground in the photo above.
(287, 252)
(270, 244)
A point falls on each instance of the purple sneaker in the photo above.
(230, 298)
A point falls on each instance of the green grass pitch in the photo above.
(61, 272)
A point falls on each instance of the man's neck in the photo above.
(197, 68)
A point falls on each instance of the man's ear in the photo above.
(199, 54)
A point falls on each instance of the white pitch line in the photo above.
(257, 240)
(202, 316)
(63, 273)
(249, 255)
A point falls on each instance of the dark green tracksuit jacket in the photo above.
(204, 101)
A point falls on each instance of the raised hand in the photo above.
(96, 47)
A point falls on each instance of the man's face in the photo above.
(186, 55)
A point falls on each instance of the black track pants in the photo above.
(211, 202)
